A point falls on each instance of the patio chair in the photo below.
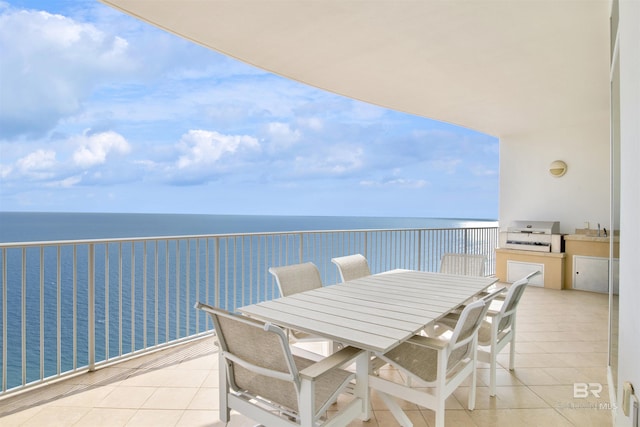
(498, 329)
(260, 377)
(295, 278)
(463, 264)
(434, 362)
(352, 267)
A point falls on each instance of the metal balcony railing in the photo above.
(73, 306)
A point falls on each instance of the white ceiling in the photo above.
(497, 66)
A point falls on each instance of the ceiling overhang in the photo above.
(499, 67)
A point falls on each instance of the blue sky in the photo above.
(100, 112)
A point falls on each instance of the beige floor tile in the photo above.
(105, 376)
(535, 376)
(56, 416)
(541, 360)
(19, 417)
(170, 398)
(126, 397)
(167, 377)
(504, 377)
(200, 418)
(563, 396)
(452, 418)
(106, 417)
(386, 419)
(211, 379)
(155, 418)
(597, 416)
(584, 360)
(506, 397)
(536, 417)
(569, 376)
(84, 396)
(572, 346)
(205, 399)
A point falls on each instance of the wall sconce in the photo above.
(558, 168)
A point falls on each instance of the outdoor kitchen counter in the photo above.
(590, 238)
(513, 264)
(586, 245)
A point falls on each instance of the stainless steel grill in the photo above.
(539, 236)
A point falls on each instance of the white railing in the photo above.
(72, 306)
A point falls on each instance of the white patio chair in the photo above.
(463, 264)
(498, 329)
(352, 267)
(434, 362)
(295, 278)
(260, 377)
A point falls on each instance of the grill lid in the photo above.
(535, 227)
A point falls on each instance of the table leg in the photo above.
(361, 390)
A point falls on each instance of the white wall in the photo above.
(629, 337)
(532, 193)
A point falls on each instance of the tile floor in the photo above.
(562, 340)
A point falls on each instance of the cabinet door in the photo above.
(591, 273)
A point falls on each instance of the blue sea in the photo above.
(48, 226)
(144, 294)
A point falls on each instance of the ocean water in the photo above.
(48, 226)
(144, 294)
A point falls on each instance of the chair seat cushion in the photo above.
(421, 361)
(283, 392)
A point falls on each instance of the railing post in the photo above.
(91, 307)
(216, 279)
(419, 249)
(300, 251)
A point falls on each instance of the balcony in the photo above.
(154, 363)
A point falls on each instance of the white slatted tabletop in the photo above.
(374, 313)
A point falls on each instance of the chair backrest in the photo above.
(463, 264)
(511, 300)
(258, 358)
(352, 267)
(295, 278)
(462, 343)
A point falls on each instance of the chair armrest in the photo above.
(333, 361)
(429, 342)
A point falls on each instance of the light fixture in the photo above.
(558, 168)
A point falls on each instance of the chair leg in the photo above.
(474, 381)
(512, 347)
(493, 362)
(223, 389)
(440, 412)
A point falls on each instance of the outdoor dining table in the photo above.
(374, 313)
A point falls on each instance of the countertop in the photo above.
(591, 238)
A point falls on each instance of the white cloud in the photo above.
(37, 164)
(49, 65)
(282, 136)
(5, 170)
(313, 123)
(202, 148)
(337, 161)
(448, 166)
(95, 148)
(396, 182)
(65, 183)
